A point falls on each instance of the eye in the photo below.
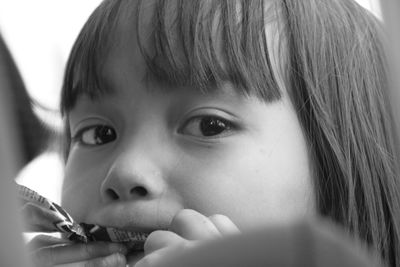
(95, 135)
(207, 126)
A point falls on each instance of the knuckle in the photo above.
(152, 240)
(219, 217)
(182, 216)
(187, 223)
(155, 236)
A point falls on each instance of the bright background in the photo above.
(40, 34)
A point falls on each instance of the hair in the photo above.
(333, 66)
(34, 135)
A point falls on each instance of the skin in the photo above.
(156, 171)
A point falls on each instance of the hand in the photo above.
(187, 230)
(52, 251)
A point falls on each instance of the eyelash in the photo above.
(80, 135)
(226, 127)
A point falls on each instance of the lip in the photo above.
(143, 218)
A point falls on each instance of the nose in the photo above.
(133, 175)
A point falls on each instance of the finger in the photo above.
(224, 225)
(41, 241)
(160, 239)
(39, 219)
(192, 225)
(157, 258)
(75, 252)
(113, 260)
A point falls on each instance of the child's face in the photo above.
(142, 154)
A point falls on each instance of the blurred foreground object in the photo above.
(42, 215)
(33, 136)
(31, 133)
(12, 251)
(303, 244)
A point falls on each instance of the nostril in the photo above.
(139, 191)
(112, 194)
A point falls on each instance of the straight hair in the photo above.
(338, 80)
(334, 68)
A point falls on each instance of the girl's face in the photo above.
(143, 153)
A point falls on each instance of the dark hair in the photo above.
(34, 135)
(337, 74)
(334, 68)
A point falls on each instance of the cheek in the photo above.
(254, 183)
(80, 191)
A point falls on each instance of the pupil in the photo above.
(211, 126)
(104, 134)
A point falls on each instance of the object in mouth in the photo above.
(43, 215)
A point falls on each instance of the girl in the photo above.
(264, 111)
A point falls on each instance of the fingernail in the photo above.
(118, 248)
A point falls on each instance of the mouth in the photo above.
(132, 240)
(101, 233)
(125, 223)
(131, 218)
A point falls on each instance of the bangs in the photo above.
(83, 73)
(195, 43)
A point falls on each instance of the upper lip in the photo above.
(130, 217)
